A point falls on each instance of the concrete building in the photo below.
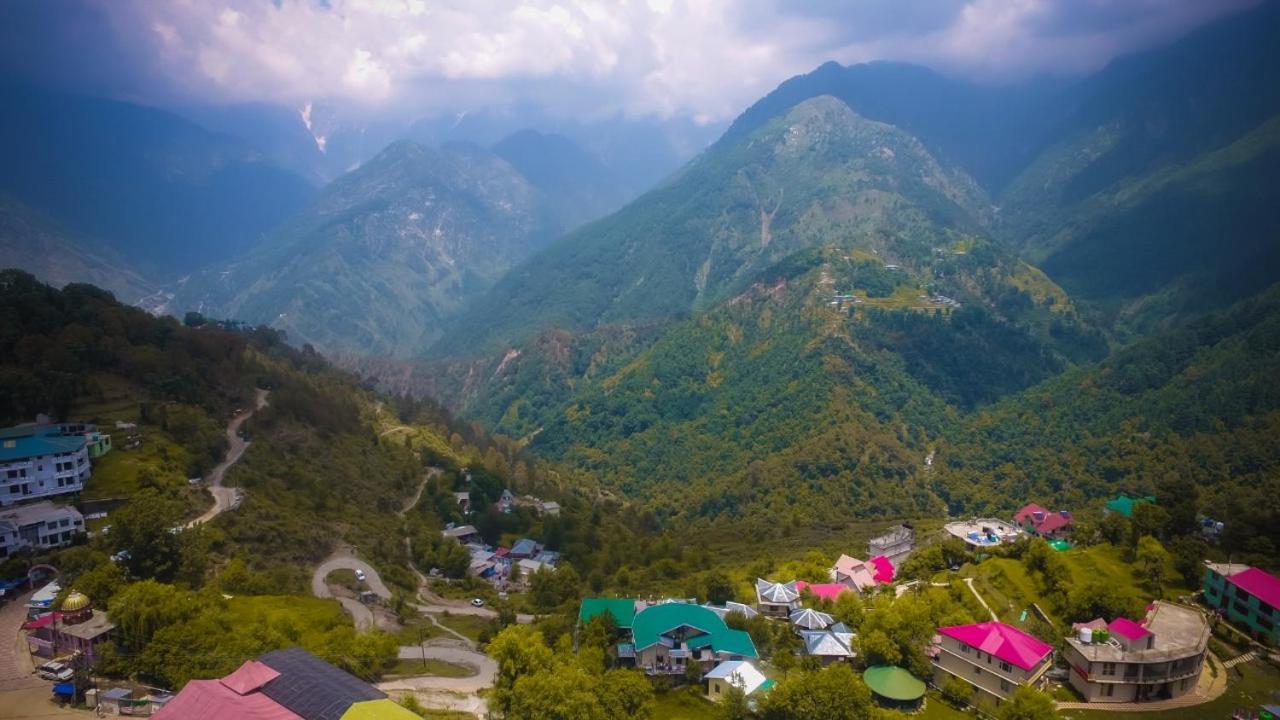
(982, 533)
(38, 461)
(41, 525)
(993, 657)
(1246, 596)
(896, 544)
(1126, 661)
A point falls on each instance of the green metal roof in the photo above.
(623, 610)
(1125, 504)
(652, 622)
(894, 683)
(22, 442)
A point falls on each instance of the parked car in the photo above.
(360, 575)
(52, 670)
(477, 602)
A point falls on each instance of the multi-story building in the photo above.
(1126, 661)
(1246, 596)
(39, 461)
(41, 525)
(670, 636)
(896, 544)
(993, 657)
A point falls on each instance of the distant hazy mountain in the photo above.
(820, 173)
(33, 243)
(168, 196)
(573, 180)
(385, 254)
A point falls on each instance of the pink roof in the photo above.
(1258, 583)
(502, 552)
(884, 568)
(1128, 629)
(249, 677)
(1006, 642)
(44, 620)
(826, 591)
(1021, 516)
(856, 571)
(211, 700)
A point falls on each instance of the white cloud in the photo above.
(705, 59)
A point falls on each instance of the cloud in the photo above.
(704, 59)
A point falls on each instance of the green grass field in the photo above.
(437, 668)
(469, 625)
(116, 473)
(683, 704)
(299, 610)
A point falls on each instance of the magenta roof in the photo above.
(1021, 516)
(1128, 629)
(1052, 522)
(884, 568)
(1260, 584)
(826, 591)
(249, 677)
(1003, 641)
(211, 700)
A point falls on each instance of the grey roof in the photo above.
(311, 687)
(120, 693)
(776, 592)
(826, 644)
(811, 619)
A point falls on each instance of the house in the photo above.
(482, 564)
(896, 544)
(776, 600)
(981, 533)
(993, 657)
(854, 573)
(730, 607)
(1035, 520)
(833, 644)
(74, 628)
(41, 525)
(669, 636)
(1125, 661)
(524, 549)
(549, 508)
(810, 619)
(38, 461)
(462, 499)
(1246, 596)
(529, 567)
(463, 533)
(506, 501)
(288, 684)
(735, 673)
(1124, 504)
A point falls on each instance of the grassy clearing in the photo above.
(343, 577)
(297, 610)
(436, 668)
(936, 709)
(417, 630)
(683, 704)
(469, 625)
(116, 473)
(1251, 685)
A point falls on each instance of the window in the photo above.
(977, 670)
(717, 688)
(1006, 666)
(964, 648)
(15, 489)
(1005, 686)
(65, 522)
(1108, 690)
(1108, 668)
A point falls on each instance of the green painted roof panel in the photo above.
(623, 610)
(893, 682)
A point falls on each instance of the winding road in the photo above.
(226, 498)
(344, 560)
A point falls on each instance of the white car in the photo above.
(477, 602)
(360, 575)
(52, 670)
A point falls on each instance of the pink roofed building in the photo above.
(237, 696)
(854, 573)
(993, 657)
(884, 569)
(1044, 523)
(823, 591)
(1157, 658)
(1247, 596)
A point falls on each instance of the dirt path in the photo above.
(972, 589)
(225, 498)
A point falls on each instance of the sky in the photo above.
(705, 60)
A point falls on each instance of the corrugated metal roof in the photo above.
(313, 688)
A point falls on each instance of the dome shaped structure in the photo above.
(75, 602)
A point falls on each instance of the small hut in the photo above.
(894, 687)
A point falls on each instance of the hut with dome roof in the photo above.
(75, 629)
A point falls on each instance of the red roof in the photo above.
(1006, 642)
(884, 568)
(1021, 516)
(212, 700)
(826, 591)
(249, 677)
(44, 620)
(1258, 583)
(1047, 522)
(1128, 629)
(502, 552)
(1053, 521)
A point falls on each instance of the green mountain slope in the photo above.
(34, 243)
(385, 255)
(818, 174)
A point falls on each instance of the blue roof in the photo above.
(524, 547)
(18, 443)
(119, 693)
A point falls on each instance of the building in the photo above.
(1246, 596)
(524, 549)
(463, 533)
(74, 628)
(1126, 661)
(823, 591)
(776, 600)
(896, 544)
(982, 533)
(1124, 504)
(993, 657)
(288, 684)
(1040, 522)
(38, 461)
(834, 644)
(667, 637)
(735, 673)
(41, 525)
(854, 573)
(730, 607)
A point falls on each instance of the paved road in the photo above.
(225, 498)
(485, 667)
(340, 560)
(15, 659)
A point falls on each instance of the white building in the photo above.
(41, 525)
(1159, 658)
(39, 461)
